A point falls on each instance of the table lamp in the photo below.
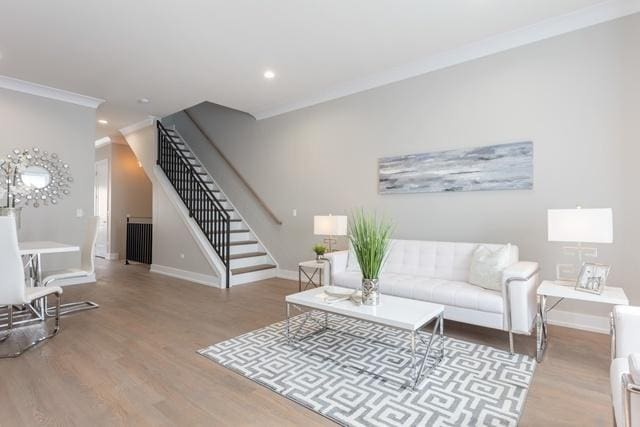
(330, 225)
(579, 226)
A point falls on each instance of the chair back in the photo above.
(88, 249)
(12, 284)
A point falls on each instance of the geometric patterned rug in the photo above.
(355, 374)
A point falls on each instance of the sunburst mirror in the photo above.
(34, 178)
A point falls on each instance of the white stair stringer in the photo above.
(245, 256)
(198, 236)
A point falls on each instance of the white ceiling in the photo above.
(179, 53)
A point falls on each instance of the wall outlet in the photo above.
(181, 256)
(79, 213)
(295, 212)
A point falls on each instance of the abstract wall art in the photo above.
(492, 167)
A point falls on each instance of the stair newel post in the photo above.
(228, 248)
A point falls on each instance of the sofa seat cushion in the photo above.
(440, 291)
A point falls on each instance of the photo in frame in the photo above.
(592, 277)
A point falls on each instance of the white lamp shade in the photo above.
(580, 225)
(330, 225)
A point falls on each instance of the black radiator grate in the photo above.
(139, 240)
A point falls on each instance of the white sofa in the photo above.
(625, 341)
(439, 272)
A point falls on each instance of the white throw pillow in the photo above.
(634, 367)
(352, 261)
(487, 267)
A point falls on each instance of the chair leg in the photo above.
(9, 323)
(511, 342)
(53, 333)
(68, 308)
(72, 307)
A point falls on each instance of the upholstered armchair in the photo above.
(625, 365)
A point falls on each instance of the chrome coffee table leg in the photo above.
(437, 331)
(288, 323)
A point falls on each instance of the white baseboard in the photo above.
(112, 256)
(585, 322)
(287, 274)
(203, 279)
(76, 281)
(568, 319)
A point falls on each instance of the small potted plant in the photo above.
(370, 239)
(320, 250)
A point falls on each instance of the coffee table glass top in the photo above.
(402, 313)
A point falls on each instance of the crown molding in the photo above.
(582, 18)
(102, 142)
(110, 140)
(49, 92)
(139, 125)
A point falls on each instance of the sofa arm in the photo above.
(338, 262)
(625, 324)
(520, 284)
(522, 270)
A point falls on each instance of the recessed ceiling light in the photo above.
(143, 100)
(103, 122)
(269, 75)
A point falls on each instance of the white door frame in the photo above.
(95, 201)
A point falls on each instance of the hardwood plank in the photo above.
(133, 361)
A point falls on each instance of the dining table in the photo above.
(31, 252)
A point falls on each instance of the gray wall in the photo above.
(171, 237)
(575, 96)
(131, 192)
(66, 129)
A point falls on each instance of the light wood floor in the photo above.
(133, 361)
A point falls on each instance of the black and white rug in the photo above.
(475, 385)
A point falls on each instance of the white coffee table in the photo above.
(395, 312)
(566, 290)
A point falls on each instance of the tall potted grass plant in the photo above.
(370, 239)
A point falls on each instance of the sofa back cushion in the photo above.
(440, 260)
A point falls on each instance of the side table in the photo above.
(565, 290)
(311, 270)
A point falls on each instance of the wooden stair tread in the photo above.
(243, 242)
(247, 255)
(252, 268)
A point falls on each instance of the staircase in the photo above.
(241, 256)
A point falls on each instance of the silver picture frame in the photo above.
(592, 277)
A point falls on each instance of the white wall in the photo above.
(57, 127)
(575, 96)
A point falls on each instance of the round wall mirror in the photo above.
(35, 176)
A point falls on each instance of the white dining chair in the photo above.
(13, 289)
(87, 268)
